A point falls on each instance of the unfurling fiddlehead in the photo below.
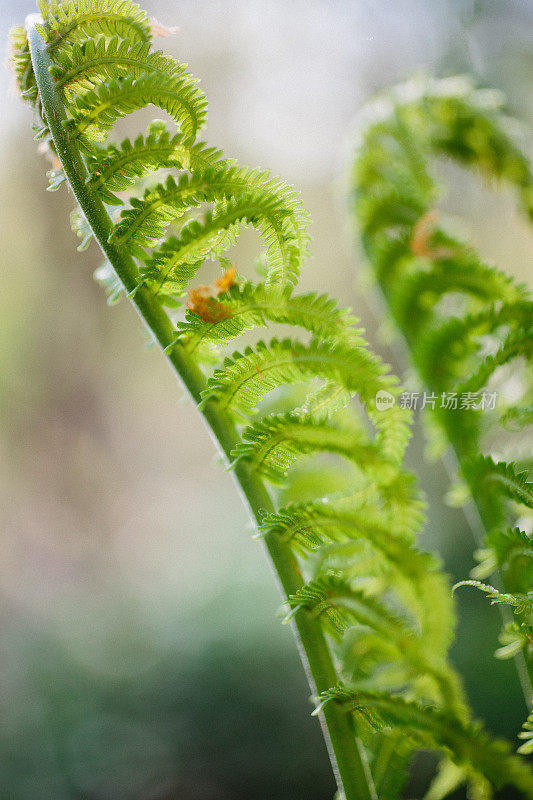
(468, 326)
(370, 610)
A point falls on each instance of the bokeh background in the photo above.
(141, 652)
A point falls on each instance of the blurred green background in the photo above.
(142, 657)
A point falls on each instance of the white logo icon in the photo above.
(384, 400)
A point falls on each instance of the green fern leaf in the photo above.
(120, 166)
(386, 602)
(466, 745)
(420, 292)
(339, 606)
(279, 217)
(20, 61)
(95, 112)
(450, 306)
(527, 734)
(519, 343)
(247, 377)
(442, 353)
(503, 478)
(521, 603)
(272, 445)
(168, 268)
(252, 306)
(332, 598)
(79, 19)
(84, 66)
(513, 553)
(309, 526)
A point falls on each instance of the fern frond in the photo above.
(273, 208)
(521, 603)
(117, 167)
(515, 637)
(80, 19)
(466, 745)
(519, 343)
(309, 526)
(339, 606)
(387, 603)
(420, 292)
(247, 377)
(202, 240)
(272, 445)
(501, 477)
(443, 352)
(95, 112)
(20, 62)
(527, 734)
(513, 553)
(510, 544)
(256, 305)
(84, 66)
(461, 317)
(314, 527)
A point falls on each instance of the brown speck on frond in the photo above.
(226, 281)
(420, 241)
(203, 305)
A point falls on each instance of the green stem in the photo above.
(347, 757)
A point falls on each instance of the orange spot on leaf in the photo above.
(226, 281)
(420, 241)
(203, 305)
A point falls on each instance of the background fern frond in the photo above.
(502, 477)
(522, 603)
(527, 734)
(466, 323)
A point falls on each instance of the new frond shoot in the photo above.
(370, 609)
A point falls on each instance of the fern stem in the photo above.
(346, 754)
